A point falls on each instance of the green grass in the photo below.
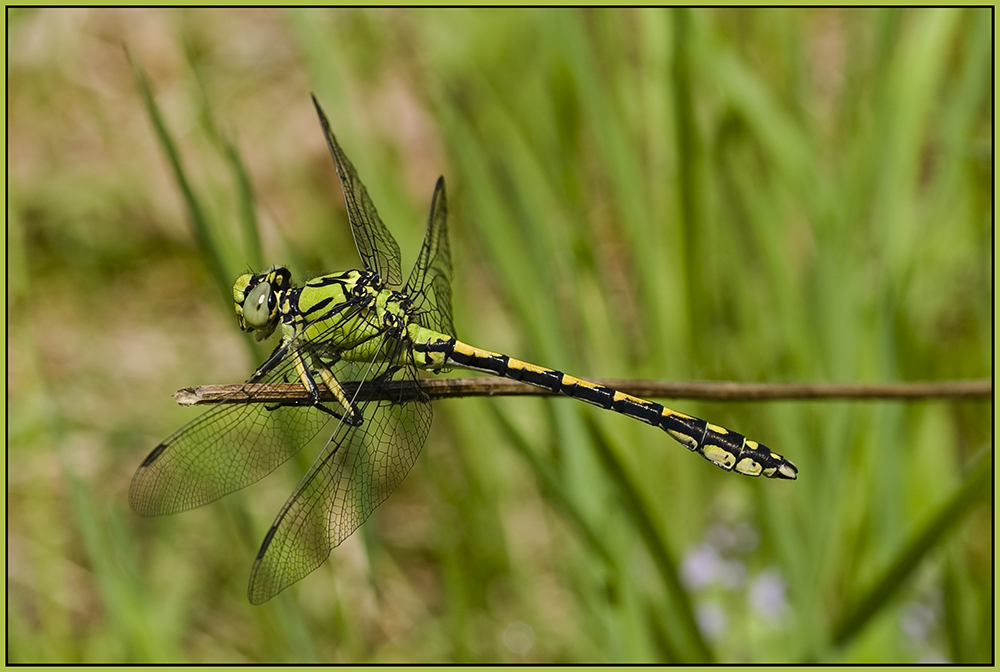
(753, 195)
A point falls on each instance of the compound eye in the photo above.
(258, 306)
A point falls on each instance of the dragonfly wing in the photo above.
(357, 471)
(378, 249)
(429, 285)
(221, 451)
(233, 444)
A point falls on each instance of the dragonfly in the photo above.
(362, 326)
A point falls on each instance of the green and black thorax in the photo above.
(349, 316)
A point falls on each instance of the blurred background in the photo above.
(754, 195)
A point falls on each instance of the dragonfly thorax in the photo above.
(258, 298)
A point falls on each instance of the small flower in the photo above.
(767, 595)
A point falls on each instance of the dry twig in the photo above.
(447, 388)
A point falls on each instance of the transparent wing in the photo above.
(233, 444)
(429, 285)
(357, 471)
(378, 249)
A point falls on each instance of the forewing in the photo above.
(429, 285)
(378, 249)
(357, 471)
(221, 451)
(230, 446)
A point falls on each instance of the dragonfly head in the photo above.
(258, 298)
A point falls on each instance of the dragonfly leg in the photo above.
(352, 415)
(276, 358)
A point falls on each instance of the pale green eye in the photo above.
(258, 306)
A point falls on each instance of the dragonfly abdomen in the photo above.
(725, 448)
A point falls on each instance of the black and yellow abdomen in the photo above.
(725, 448)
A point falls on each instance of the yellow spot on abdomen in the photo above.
(749, 467)
(721, 457)
(689, 441)
(667, 412)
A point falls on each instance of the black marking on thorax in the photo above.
(289, 305)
